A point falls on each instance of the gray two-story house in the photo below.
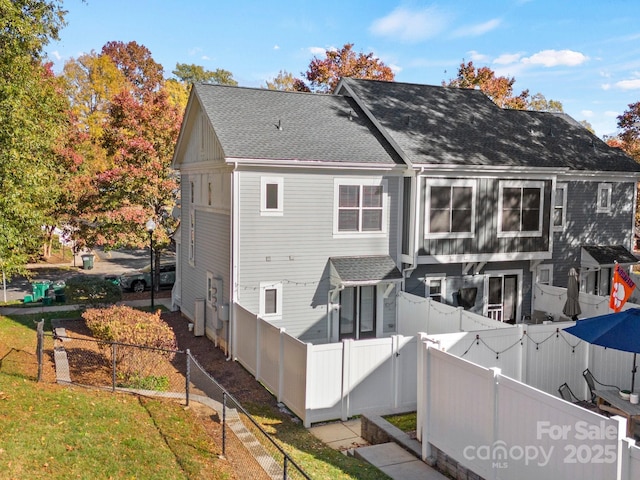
(497, 200)
(313, 211)
(290, 209)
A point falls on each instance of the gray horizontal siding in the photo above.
(298, 245)
(585, 226)
(212, 253)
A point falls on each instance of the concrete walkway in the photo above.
(389, 458)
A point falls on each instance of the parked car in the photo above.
(139, 280)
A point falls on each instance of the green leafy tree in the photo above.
(32, 120)
(284, 81)
(325, 73)
(190, 74)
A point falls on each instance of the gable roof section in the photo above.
(274, 125)
(449, 126)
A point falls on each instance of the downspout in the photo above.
(235, 221)
(406, 272)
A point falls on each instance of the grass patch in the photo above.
(313, 456)
(55, 432)
(405, 421)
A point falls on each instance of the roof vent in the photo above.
(350, 114)
(280, 125)
(551, 132)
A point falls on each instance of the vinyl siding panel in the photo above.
(293, 249)
(585, 226)
(212, 251)
(486, 239)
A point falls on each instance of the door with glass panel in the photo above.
(503, 298)
(358, 312)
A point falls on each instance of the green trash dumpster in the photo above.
(40, 289)
(87, 262)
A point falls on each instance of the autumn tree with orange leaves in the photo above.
(325, 73)
(121, 148)
(500, 89)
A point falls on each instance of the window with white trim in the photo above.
(544, 274)
(560, 207)
(450, 209)
(360, 206)
(271, 196)
(435, 288)
(604, 198)
(271, 300)
(520, 208)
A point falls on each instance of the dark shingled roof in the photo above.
(313, 127)
(610, 254)
(366, 269)
(454, 126)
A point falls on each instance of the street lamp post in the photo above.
(151, 226)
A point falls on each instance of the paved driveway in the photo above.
(105, 263)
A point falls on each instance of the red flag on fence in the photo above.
(621, 289)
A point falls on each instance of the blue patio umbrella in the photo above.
(620, 331)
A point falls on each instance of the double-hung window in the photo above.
(361, 206)
(604, 198)
(520, 206)
(560, 207)
(450, 210)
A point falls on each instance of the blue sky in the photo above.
(585, 54)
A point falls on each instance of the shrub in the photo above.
(148, 341)
(92, 291)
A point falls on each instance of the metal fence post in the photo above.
(188, 380)
(40, 347)
(113, 366)
(224, 422)
(284, 468)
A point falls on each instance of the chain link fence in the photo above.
(170, 373)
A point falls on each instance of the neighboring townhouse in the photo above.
(313, 211)
(498, 200)
(289, 210)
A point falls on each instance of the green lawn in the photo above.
(51, 431)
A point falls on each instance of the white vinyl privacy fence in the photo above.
(340, 380)
(500, 428)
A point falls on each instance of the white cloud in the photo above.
(317, 50)
(477, 56)
(507, 58)
(56, 55)
(276, 47)
(411, 25)
(611, 114)
(554, 58)
(605, 86)
(205, 57)
(478, 29)
(587, 113)
(394, 68)
(633, 84)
